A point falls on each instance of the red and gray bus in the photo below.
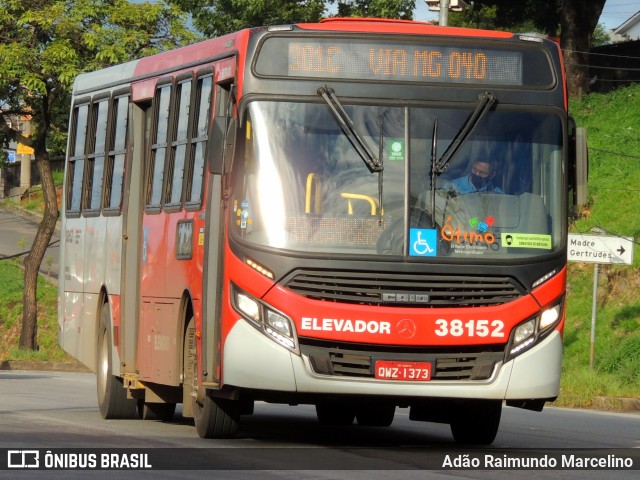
(273, 216)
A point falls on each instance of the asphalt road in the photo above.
(45, 410)
(16, 236)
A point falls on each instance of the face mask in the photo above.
(479, 182)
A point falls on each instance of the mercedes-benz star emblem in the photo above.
(406, 328)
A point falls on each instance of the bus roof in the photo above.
(385, 25)
(209, 50)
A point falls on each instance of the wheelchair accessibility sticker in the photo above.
(423, 242)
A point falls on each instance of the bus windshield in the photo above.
(300, 184)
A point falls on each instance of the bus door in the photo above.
(219, 153)
(175, 244)
(158, 331)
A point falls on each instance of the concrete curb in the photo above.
(618, 404)
(28, 214)
(43, 366)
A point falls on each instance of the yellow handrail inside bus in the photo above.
(313, 185)
(312, 199)
(357, 196)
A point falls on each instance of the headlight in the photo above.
(524, 331)
(533, 330)
(550, 317)
(272, 323)
(248, 306)
(280, 323)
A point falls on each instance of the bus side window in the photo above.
(75, 170)
(96, 147)
(114, 169)
(160, 126)
(199, 137)
(179, 143)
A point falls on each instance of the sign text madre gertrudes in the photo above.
(600, 249)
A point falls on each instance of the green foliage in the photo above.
(613, 135)
(402, 9)
(11, 286)
(521, 16)
(614, 173)
(45, 44)
(218, 17)
(622, 360)
(600, 36)
(58, 177)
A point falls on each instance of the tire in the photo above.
(477, 422)
(335, 414)
(213, 418)
(189, 366)
(376, 415)
(112, 397)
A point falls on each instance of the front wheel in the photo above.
(477, 422)
(112, 397)
(213, 417)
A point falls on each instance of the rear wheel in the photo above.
(213, 417)
(477, 422)
(335, 414)
(112, 397)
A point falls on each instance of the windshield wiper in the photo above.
(373, 163)
(440, 165)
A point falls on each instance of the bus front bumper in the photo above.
(253, 361)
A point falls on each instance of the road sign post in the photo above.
(598, 249)
(594, 310)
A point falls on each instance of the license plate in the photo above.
(398, 370)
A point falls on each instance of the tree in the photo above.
(574, 21)
(44, 44)
(600, 36)
(217, 17)
(578, 20)
(402, 9)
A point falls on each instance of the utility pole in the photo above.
(444, 13)
(443, 6)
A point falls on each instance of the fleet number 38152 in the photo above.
(470, 328)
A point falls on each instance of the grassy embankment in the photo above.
(613, 131)
(11, 288)
(11, 282)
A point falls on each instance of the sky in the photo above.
(615, 12)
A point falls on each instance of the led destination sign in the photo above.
(359, 59)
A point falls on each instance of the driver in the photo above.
(480, 179)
